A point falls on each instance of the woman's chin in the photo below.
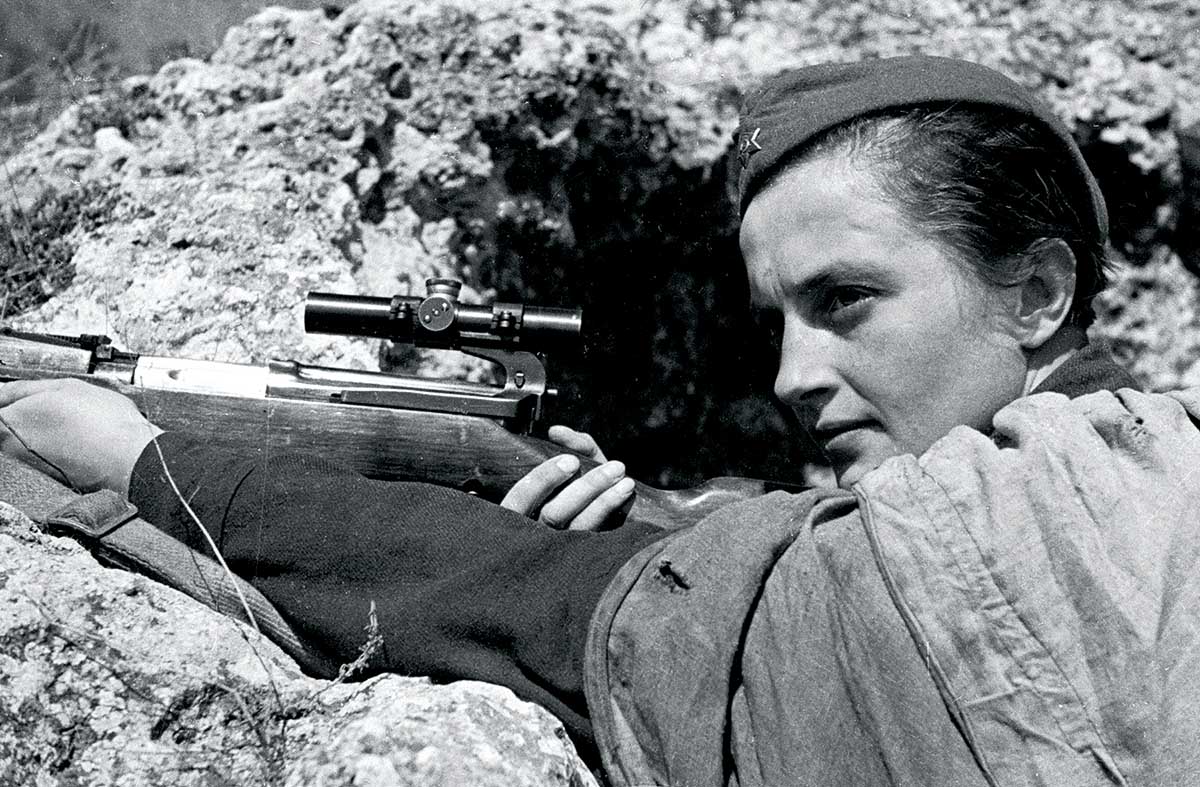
(851, 470)
(849, 476)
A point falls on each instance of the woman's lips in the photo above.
(841, 437)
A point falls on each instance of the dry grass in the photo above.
(37, 244)
(47, 83)
(35, 252)
(52, 56)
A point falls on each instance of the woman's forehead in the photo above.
(812, 198)
(825, 221)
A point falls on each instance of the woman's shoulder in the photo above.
(1090, 369)
(1069, 531)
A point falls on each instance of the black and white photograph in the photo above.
(537, 393)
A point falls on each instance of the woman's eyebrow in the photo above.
(839, 271)
(834, 272)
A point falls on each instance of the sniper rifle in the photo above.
(470, 436)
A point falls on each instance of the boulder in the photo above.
(110, 679)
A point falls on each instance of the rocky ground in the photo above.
(109, 679)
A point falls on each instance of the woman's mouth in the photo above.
(843, 438)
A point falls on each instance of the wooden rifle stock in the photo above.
(469, 452)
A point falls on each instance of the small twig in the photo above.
(370, 647)
(20, 211)
(251, 719)
(366, 652)
(17, 77)
(233, 579)
(271, 749)
(207, 537)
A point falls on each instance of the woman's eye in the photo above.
(839, 299)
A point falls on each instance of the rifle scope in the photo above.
(439, 320)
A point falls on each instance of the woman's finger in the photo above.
(599, 510)
(581, 443)
(579, 494)
(539, 483)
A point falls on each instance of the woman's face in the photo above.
(887, 342)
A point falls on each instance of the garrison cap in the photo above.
(794, 107)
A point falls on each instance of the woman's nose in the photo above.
(807, 365)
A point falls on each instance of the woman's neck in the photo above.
(1045, 359)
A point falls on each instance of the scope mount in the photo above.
(500, 333)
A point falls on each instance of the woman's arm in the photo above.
(463, 588)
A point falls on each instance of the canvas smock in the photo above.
(1018, 608)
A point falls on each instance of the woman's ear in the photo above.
(1044, 298)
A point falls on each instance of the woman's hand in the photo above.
(85, 436)
(586, 502)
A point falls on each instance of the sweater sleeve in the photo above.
(463, 588)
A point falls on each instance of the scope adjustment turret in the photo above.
(438, 310)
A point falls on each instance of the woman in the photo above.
(936, 259)
(929, 238)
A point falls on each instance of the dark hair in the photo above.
(985, 182)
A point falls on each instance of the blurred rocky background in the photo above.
(178, 174)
